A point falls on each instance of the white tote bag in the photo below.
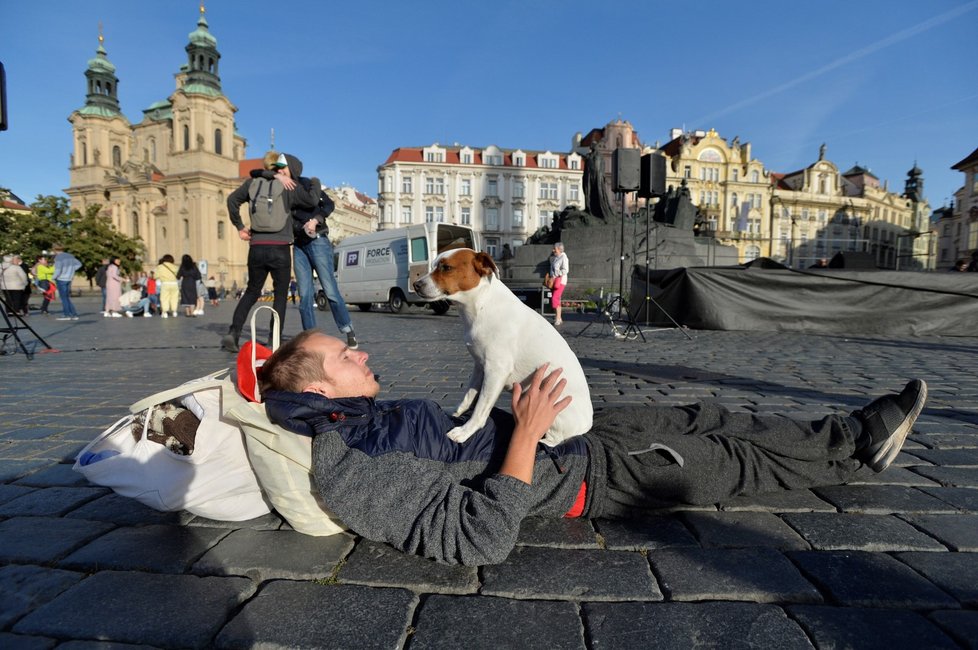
(215, 481)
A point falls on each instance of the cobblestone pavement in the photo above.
(890, 561)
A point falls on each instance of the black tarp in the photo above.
(766, 296)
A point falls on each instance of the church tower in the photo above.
(101, 133)
(914, 191)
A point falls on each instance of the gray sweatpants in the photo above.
(723, 455)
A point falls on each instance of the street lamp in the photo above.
(771, 229)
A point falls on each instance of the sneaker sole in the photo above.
(892, 446)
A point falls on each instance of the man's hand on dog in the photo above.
(535, 408)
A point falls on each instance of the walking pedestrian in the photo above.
(66, 266)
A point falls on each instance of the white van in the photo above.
(382, 266)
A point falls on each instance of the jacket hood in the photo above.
(298, 412)
(295, 165)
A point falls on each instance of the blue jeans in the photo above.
(141, 306)
(318, 254)
(64, 290)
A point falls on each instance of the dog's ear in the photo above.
(484, 265)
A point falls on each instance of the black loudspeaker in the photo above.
(625, 169)
(853, 261)
(652, 182)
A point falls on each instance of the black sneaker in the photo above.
(229, 343)
(351, 340)
(888, 420)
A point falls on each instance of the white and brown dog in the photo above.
(507, 339)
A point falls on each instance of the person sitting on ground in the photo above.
(388, 471)
(134, 302)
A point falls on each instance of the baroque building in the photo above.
(166, 179)
(503, 194)
(957, 225)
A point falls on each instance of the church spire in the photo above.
(202, 59)
(102, 97)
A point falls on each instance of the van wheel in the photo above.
(321, 302)
(364, 306)
(440, 307)
(396, 301)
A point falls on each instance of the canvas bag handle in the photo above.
(276, 341)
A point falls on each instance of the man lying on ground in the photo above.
(389, 472)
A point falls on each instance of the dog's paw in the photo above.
(460, 434)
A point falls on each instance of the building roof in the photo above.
(13, 205)
(968, 161)
(857, 170)
(245, 167)
(453, 157)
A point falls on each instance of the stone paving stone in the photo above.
(743, 530)
(951, 476)
(102, 645)
(646, 532)
(288, 614)
(571, 574)
(58, 475)
(869, 629)
(880, 499)
(268, 554)
(860, 532)
(623, 626)
(786, 501)
(861, 579)
(950, 457)
(959, 532)
(955, 573)
(271, 521)
(557, 533)
(41, 540)
(13, 469)
(163, 549)
(902, 476)
(380, 565)
(464, 622)
(132, 607)
(757, 575)
(10, 492)
(949, 440)
(24, 587)
(960, 625)
(50, 502)
(124, 511)
(961, 498)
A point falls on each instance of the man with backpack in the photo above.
(272, 195)
(313, 250)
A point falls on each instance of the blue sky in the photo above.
(882, 83)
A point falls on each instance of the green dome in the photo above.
(101, 62)
(201, 36)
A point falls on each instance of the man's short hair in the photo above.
(269, 160)
(293, 366)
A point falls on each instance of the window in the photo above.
(575, 164)
(735, 175)
(687, 171)
(496, 159)
(407, 187)
(135, 224)
(492, 187)
(754, 176)
(186, 228)
(466, 216)
(548, 190)
(804, 214)
(218, 144)
(388, 184)
(434, 156)
(492, 218)
(548, 163)
(186, 138)
(466, 159)
(220, 230)
(439, 214)
(492, 245)
(544, 219)
(574, 192)
(733, 199)
(465, 189)
(434, 185)
(519, 189)
(752, 252)
(419, 249)
(116, 156)
(405, 214)
(84, 153)
(429, 214)
(517, 217)
(388, 214)
(519, 161)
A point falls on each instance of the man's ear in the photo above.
(318, 387)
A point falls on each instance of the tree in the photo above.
(90, 237)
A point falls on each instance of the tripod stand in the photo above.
(10, 329)
(648, 282)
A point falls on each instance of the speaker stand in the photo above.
(9, 330)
